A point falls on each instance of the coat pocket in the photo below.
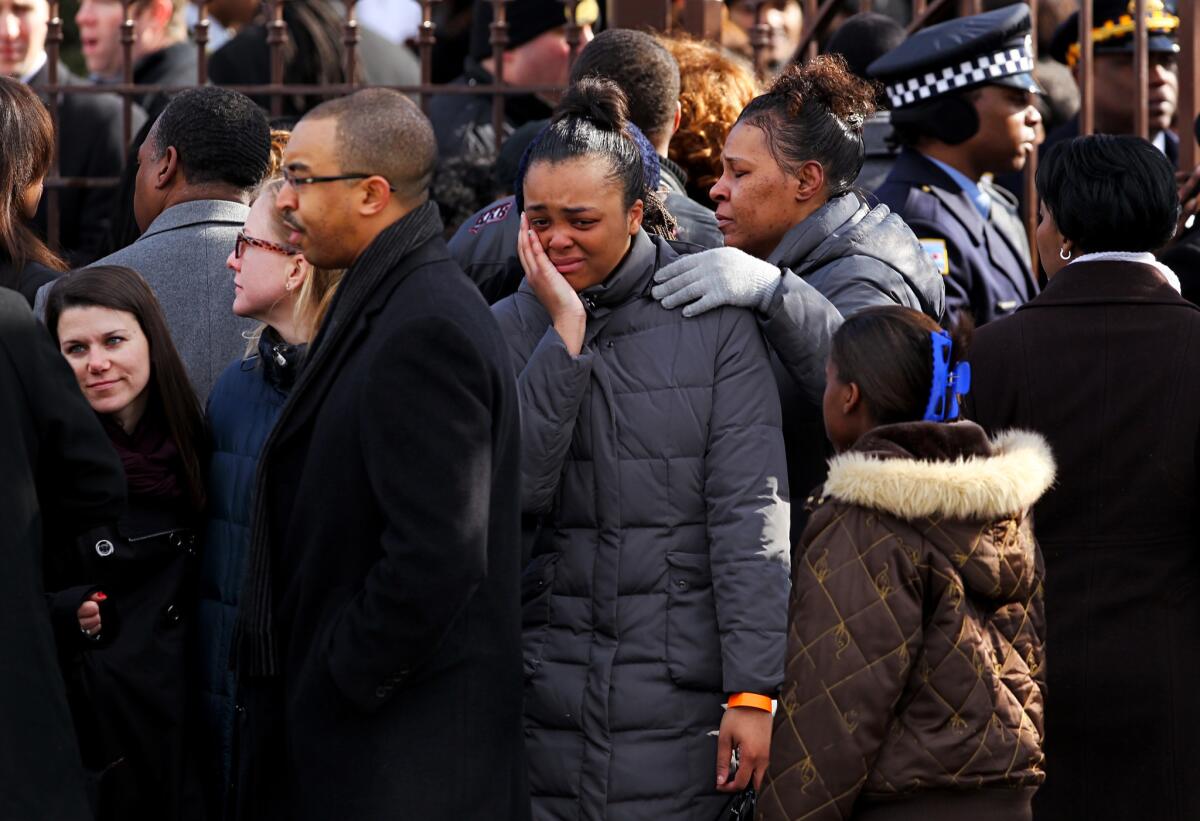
(693, 638)
(537, 582)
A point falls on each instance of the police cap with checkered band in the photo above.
(994, 48)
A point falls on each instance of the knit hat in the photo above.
(527, 20)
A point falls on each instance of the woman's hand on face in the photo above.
(552, 289)
(88, 615)
(747, 730)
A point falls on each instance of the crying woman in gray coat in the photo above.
(654, 484)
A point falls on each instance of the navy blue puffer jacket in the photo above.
(242, 409)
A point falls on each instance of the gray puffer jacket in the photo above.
(659, 582)
(858, 256)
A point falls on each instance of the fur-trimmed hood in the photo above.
(967, 496)
(921, 470)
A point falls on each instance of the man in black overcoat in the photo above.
(378, 644)
(57, 466)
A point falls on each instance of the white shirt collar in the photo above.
(1145, 258)
(38, 66)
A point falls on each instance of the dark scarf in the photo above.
(148, 455)
(256, 651)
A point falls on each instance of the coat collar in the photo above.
(919, 470)
(913, 169)
(196, 212)
(674, 178)
(800, 240)
(1098, 283)
(629, 280)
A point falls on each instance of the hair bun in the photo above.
(599, 101)
(827, 80)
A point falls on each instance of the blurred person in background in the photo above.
(162, 54)
(123, 600)
(313, 53)
(1113, 28)
(785, 23)
(536, 54)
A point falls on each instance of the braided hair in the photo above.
(592, 120)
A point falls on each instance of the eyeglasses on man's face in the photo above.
(296, 182)
(244, 239)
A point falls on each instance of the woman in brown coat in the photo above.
(1104, 364)
(913, 687)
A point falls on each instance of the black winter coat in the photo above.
(391, 513)
(58, 466)
(127, 687)
(1103, 364)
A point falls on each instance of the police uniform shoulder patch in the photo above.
(935, 249)
(491, 216)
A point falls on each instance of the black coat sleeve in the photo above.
(81, 484)
(428, 457)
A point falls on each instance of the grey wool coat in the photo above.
(182, 255)
(659, 579)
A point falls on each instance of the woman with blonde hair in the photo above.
(276, 285)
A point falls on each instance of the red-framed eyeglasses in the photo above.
(244, 239)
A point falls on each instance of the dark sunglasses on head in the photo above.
(244, 239)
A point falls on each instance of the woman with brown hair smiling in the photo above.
(124, 598)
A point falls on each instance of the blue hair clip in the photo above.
(948, 384)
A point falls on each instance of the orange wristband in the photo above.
(750, 700)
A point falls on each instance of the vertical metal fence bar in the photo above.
(760, 38)
(499, 32)
(276, 37)
(127, 72)
(54, 38)
(1031, 163)
(969, 7)
(574, 33)
(200, 35)
(702, 19)
(350, 38)
(1141, 72)
(812, 11)
(1087, 91)
(426, 40)
(1189, 75)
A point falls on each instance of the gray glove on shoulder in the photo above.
(720, 276)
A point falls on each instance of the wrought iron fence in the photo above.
(699, 18)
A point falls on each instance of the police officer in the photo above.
(962, 108)
(1113, 27)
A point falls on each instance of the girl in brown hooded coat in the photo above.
(914, 679)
